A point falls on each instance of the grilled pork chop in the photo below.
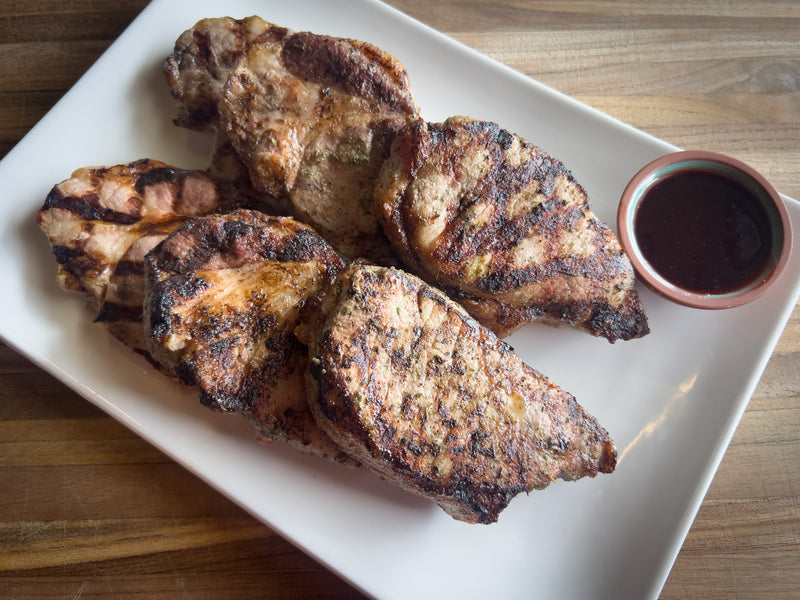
(312, 117)
(203, 58)
(196, 73)
(102, 221)
(222, 299)
(505, 229)
(409, 384)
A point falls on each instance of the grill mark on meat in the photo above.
(127, 268)
(202, 59)
(203, 43)
(420, 393)
(111, 312)
(237, 242)
(501, 233)
(504, 228)
(222, 297)
(303, 244)
(159, 307)
(74, 268)
(160, 175)
(354, 67)
(89, 208)
(594, 266)
(103, 220)
(65, 255)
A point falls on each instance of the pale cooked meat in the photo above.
(334, 186)
(227, 167)
(103, 220)
(223, 294)
(312, 117)
(505, 229)
(203, 58)
(409, 384)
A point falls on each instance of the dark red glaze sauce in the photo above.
(703, 232)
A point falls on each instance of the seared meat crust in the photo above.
(196, 72)
(312, 118)
(409, 384)
(222, 297)
(203, 58)
(103, 220)
(505, 229)
(223, 294)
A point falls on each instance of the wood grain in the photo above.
(90, 510)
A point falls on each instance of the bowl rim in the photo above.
(670, 164)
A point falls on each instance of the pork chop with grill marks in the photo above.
(202, 59)
(505, 229)
(312, 117)
(103, 220)
(222, 299)
(196, 72)
(405, 381)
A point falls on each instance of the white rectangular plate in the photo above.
(671, 400)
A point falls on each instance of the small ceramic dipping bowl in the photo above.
(704, 229)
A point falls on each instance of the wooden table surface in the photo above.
(87, 509)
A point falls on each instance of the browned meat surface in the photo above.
(312, 118)
(505, 229)
(103, 220)
(203, 58)
(196, 72)
(227, 167)
(222, 300)
(419, 392)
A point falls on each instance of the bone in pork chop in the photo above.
(103, 220)
(505, 229)
(409, 384)
(222, 299)
(312, 117)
